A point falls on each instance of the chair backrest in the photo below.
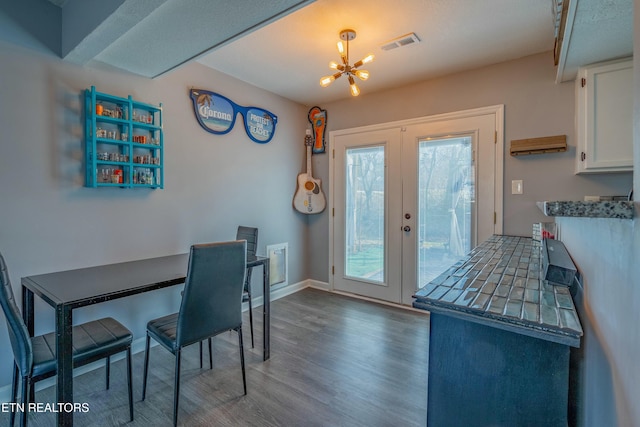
(250, 234)
(212, 300)
(18, 333)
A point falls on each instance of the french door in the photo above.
(410, 198)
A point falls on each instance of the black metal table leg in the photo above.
(27, 308)
(64, 363)
(266, 312)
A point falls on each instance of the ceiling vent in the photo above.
(401, 41)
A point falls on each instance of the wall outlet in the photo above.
(516, 186)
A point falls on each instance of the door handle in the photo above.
(406, 228)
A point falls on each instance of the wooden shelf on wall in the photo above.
(547, 144)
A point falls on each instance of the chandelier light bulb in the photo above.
(365, 60)
(341, 49)
(362, 74)
(354, 88)
(335, 66)
(368, 58)
(326, 81)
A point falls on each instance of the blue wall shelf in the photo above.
(124, 142)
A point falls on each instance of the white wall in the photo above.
(535, 106)
(607, 253)
(213, 183)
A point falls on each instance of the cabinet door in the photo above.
(604, 106)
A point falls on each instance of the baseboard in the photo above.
(316, 284)
(278, 292)
(381, 302)
(138, 345)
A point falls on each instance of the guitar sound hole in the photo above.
(309, 186)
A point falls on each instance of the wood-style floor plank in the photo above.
(335, 361)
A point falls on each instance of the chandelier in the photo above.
(345, 68)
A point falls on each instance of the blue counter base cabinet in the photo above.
(481, 376)
(500, 340)
(124, 142)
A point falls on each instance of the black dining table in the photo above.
(68, 290)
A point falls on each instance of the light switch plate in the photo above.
(516, 186)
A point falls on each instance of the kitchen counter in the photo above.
(602, 209)
(499, 283)
(499, 339)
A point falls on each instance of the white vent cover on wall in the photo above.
(405, 40)
(278, 264)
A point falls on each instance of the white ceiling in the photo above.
(289, 56)
(284, 46)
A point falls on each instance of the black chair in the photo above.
(35, 358)
(250, 234)
(211, 304)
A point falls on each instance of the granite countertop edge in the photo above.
(532, 329)
(603, 209)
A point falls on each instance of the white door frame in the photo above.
(497, 110)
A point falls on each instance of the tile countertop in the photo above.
(498, 284)
(603, 209)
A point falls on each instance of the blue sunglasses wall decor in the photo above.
(217, 114)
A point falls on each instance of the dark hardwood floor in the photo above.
(335, 361)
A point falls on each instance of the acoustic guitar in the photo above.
(309, 198)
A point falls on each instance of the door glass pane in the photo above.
(445, 202)
(364, 214)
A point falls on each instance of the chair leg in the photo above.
(200, 354)
(32, 393)
(26, 393)
(250, 317)
(14, 383)
(244, 376)
(176, 389)
(210, 355)
(14, 393)
(146, 368)
(108, 370)
(129, 383)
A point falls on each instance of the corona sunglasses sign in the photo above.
(217, 114)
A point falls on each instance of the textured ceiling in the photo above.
(180, 30)
(284, 46)
(600, 29)
(289, 56)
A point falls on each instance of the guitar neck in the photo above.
(309, 161)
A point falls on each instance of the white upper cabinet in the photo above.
(604, 110)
